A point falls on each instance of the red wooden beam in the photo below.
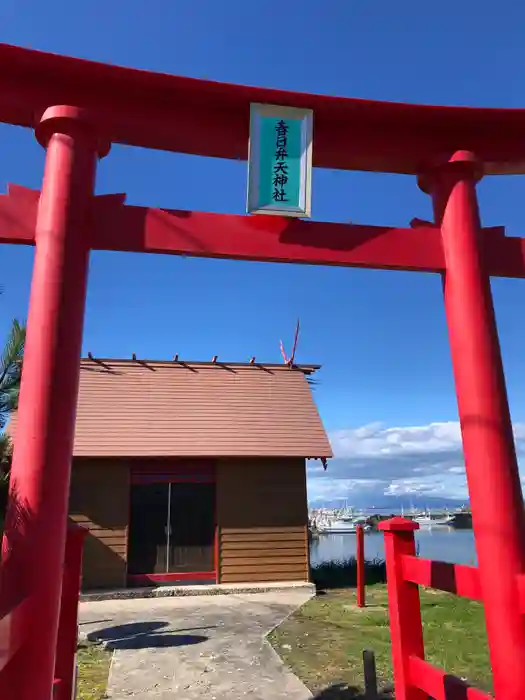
(273, 239)
(441, 685)
(451, 578)
(18, 215)
(10, 625)
(264, 238)
(174, 113)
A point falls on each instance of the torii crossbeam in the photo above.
(133, 229)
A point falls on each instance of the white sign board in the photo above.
(280, 161)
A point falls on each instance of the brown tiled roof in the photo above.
(143, 408)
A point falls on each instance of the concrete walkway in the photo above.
(193, 648)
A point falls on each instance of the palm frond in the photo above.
(10, 360)
(11, 370)
(9, 399)
(5, 447)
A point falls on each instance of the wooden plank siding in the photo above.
(99, 502)
(263, 520)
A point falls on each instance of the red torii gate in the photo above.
(78, 108)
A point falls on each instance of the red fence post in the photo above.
(406, 630)
(360, 555)
(495, 492)
(65, 664)
(35, 532)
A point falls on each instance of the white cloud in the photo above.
(375, 440)
(373, 462)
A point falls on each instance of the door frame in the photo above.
(176, 472)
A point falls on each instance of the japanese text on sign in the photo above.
(280, 161)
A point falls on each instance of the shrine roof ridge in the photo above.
(305, 368)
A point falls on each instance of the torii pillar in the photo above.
(36, 524)
(493, 479)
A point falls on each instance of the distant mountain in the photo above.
(391, 504)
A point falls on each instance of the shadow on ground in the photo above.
(145, 635)
(341, 691)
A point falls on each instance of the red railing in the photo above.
(16, 624)
(414, 678)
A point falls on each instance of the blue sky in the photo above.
(380, 336)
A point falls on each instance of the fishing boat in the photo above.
(428, 520)
(340, 526)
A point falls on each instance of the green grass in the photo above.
(324, 641)
(93, 670)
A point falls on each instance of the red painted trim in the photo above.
(167, 479)
(272, 239)
(404, 569)
(154, 110)
(18, 211)
(436, 683)
(173, 577)
(453, 578)
(263, 238)
(174, 471)
(276, 239)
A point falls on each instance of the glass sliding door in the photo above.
(148, 533)
(172, 532)
(192, 528)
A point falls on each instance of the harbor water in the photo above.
(443, 544)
